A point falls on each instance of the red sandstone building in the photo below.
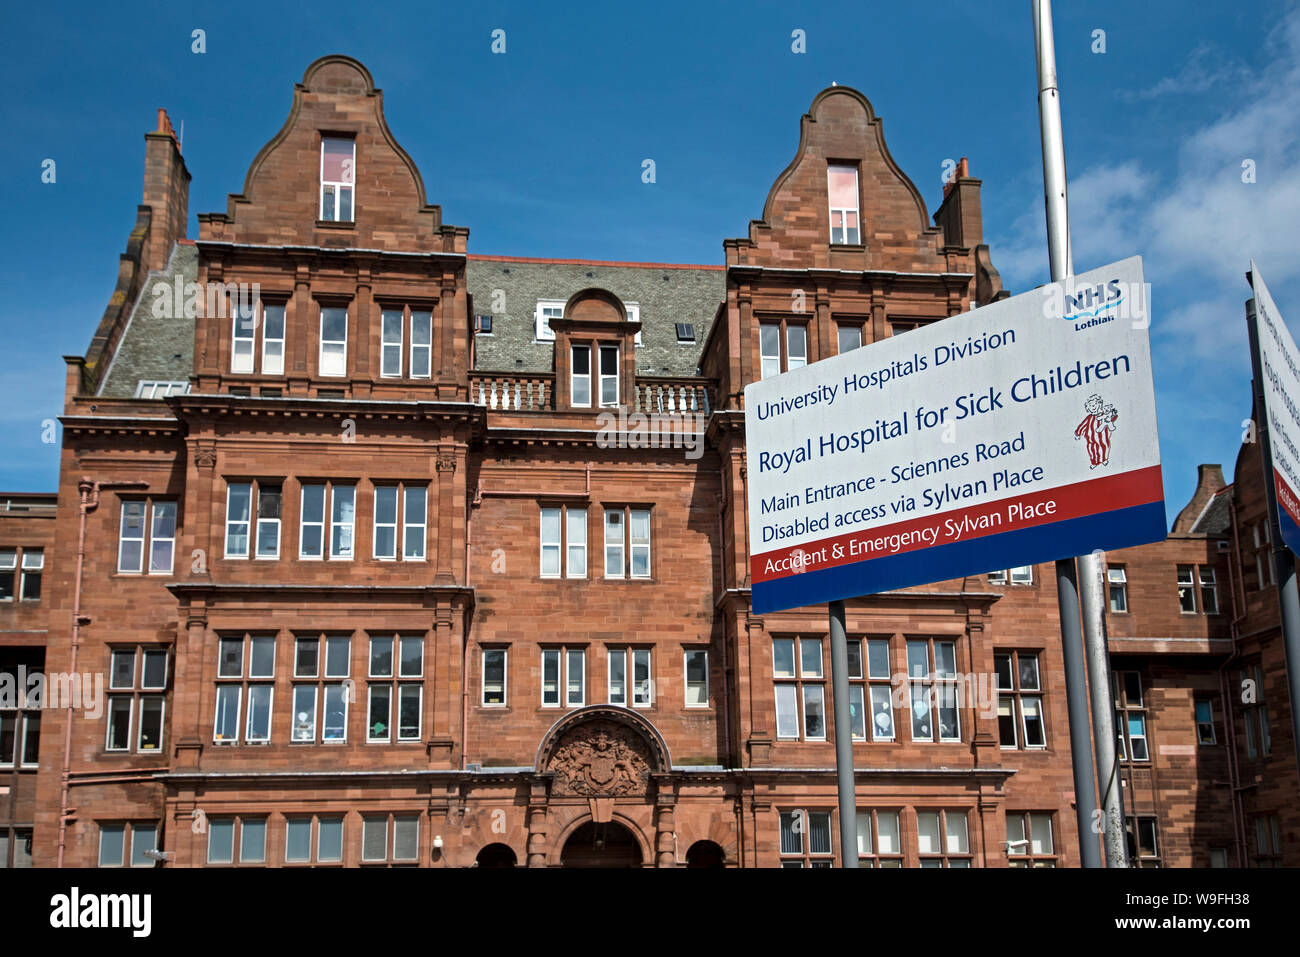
(420, 557)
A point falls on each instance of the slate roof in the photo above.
(161, 348)
(156, 347)
(1216, 518)
(666, 294)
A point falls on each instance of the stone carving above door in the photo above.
(602, 751)
(600, 758)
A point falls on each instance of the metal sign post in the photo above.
(843, 740)
(1281, 523)
(1089, 566)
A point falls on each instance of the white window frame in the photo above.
(9, 563)
(387, 344)
(139, 730)
(554, 656)
(239, 710)
(571, 545)
(268, 360)
(565, 546)
(314, 688)
(855, 210)
(1196, 719)
(376, 525)
(634, 547)
(581, 656)
(249, 340)
(557, 544)
(154, 538)
(843, 327)
(791, 360)
(350, 525)
(642, 698)
(108, 723)
(616, 654)
(343, 360)
(341, 688)
(387, 688)
(765, 358)
(505, 678)
(159, 389)
(257, 520)
(634, 315)
(408, 491)
(247, 523)
(338, 184)
(1201, 571)
(419, 711)
(1021, 575)
(123, 539)
(1190, 585)
(542, 331)
(425, 370)
(246, 729)
(1117, 577)
(602, 377)
(323, 523)
(620, 543)
(686, 676)
(574, 377)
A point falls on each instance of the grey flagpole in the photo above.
(1067, 586)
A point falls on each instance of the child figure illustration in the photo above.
(1105, 426)
(1095, 430)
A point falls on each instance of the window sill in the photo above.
(343, 224)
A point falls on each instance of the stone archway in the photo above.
(705, 854)
(496, 855)
(601, 845)
(602, 751)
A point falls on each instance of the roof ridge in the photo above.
(487, 257)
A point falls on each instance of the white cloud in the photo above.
(1195, 222)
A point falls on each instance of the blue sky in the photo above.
(539, 150)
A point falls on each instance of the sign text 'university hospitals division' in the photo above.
(1279, 364)
(1018, 433)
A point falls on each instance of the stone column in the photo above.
(665, 828)
(538, 829)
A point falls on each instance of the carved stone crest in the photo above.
(600, 758)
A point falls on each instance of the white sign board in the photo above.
(1018, 433)
(1279, 363)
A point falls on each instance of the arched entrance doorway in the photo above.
(601, 845)
(496, 855)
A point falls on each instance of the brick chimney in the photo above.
(166, 192)
(959, 214)
(1209, 483)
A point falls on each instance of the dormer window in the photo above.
(842, 185)
(337, 178)
(547, 309)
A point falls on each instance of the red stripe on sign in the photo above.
(1286, 497)
(1093, 497)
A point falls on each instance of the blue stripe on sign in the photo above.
(1290, 530)
(1122, 528)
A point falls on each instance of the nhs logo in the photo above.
(1098, 303)
(1092, 301)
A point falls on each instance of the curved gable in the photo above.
(280, 202)
(841, 127)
